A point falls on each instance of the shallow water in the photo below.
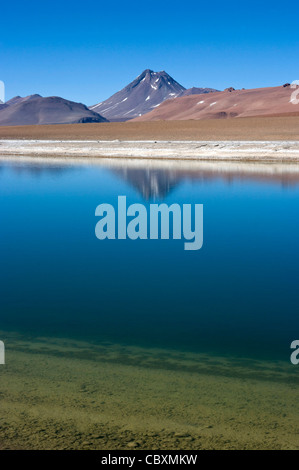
(226, 313)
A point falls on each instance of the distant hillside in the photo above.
(198, 91)
(35, 109)
(227, 104)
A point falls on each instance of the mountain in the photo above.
(20, 99)
(35, 109)
(197, 91)
(142, 95)
(227, 104)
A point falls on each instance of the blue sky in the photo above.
(86, 51)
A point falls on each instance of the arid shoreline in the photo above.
(247, 151)
(269, 139)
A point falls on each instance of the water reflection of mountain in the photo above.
(150, 183)
(157, 183)
(35, 169)
(155, 179)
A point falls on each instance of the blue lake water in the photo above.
(237, 296)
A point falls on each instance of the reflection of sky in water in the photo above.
(238, 294)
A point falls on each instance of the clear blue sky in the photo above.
(86, 51)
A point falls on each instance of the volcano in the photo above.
(142, 95)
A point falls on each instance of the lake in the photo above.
(164, 326)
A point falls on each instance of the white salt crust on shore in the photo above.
(274, 151)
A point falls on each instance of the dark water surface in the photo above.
(238, 295)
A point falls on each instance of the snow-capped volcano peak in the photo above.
(140, 96)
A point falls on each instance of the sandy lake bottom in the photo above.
(63, 394)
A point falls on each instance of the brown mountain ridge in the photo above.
(227, 104)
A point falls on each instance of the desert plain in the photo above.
(252, 128)
(272, 139)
